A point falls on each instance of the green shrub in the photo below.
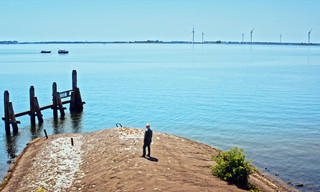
(232, 167)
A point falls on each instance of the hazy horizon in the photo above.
(173, 20)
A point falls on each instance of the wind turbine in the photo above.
(242, 37)
(280, 37)
(193, 35)
(202, 36)
(309, 33)
(251, 34)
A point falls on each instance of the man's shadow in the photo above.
(153, 159)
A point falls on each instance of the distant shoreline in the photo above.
(160, 42)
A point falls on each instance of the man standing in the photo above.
(147, 140)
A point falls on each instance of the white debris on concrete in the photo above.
(131, 136)
(62, 163)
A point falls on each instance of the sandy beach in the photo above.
(110, 160)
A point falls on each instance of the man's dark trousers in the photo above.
(147, 144)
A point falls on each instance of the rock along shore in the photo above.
(109, 160)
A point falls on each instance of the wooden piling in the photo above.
(45, 132)
(60, 106)
(12, 118)
(76, 104)
(32, 110)
(9, 116)
(6, 111)
(37, 110)
(74, 80)
(54, 100)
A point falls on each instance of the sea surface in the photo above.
(265, 99)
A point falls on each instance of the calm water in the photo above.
(265, 99)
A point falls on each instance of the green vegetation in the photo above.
(5, 180)
(41, 190)
(232, 167)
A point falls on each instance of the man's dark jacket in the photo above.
(148, 136)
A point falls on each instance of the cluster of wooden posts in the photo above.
(76, 105)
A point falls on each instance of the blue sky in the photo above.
(94, 20)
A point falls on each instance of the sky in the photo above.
(166, 20)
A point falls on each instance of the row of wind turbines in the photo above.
(251, 32)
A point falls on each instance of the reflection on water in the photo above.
(76, 119)
(58, 125)
(11, 145)
(35, 131)
(71, 123)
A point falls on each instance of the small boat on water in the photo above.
(63, 52)
(44, 51)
